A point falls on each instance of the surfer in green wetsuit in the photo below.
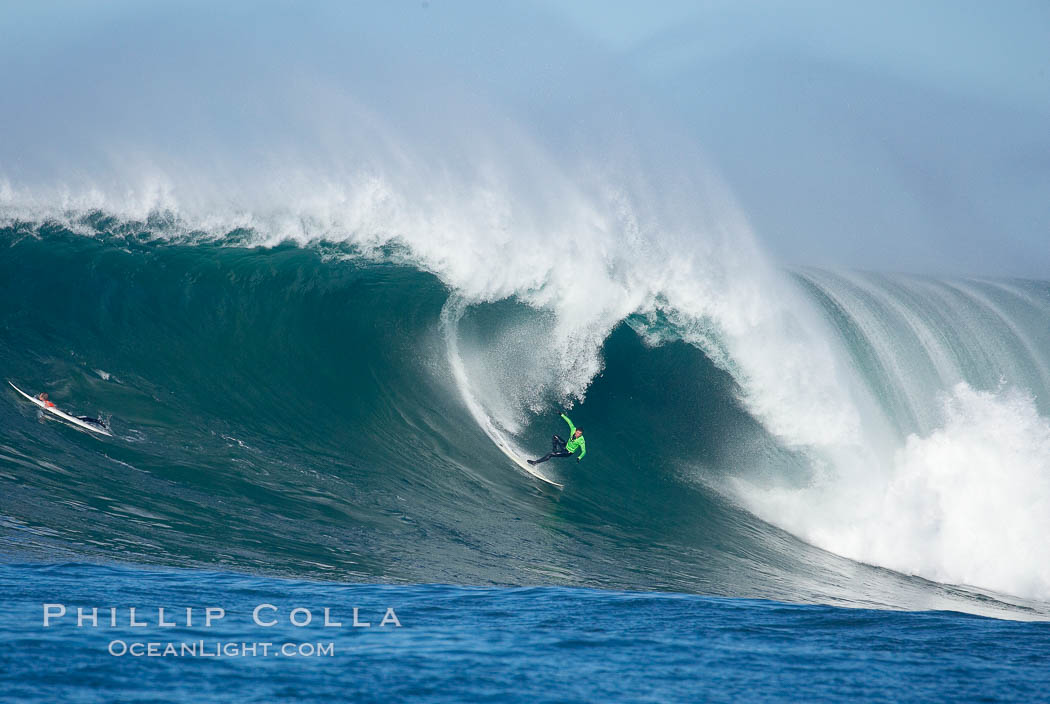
(560, 448)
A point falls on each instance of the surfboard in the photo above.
(517, 459)
(72, 420)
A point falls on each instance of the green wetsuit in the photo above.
(574, 443)
(561, 448)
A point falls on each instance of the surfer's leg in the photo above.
(557, 450)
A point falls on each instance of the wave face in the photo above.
(316, 410)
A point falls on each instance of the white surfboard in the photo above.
(72, 420)
(510, 451)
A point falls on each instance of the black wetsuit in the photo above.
(557, 450)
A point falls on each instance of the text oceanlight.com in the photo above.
(219, 649)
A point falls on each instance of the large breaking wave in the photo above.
(300, 410)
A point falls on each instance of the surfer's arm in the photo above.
(583, 449)
(572, 428)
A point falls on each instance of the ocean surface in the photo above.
(307, 424)
(509, 644)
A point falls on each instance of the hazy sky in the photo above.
(892, 135)
(896, 135)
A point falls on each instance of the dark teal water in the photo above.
(539, 644)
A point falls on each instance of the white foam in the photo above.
(966, 504)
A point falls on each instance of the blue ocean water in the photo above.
(507, 644)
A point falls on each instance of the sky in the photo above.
(901, 135)
(895, 136)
